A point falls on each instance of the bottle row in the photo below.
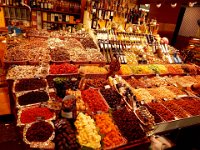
(57, 5)
(54, 5)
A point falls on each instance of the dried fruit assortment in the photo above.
(39, 132)
(175, 109)
(29, 115)
(162, 111)
(65, 135)
(92, 70)
(21, 72)
(33, 97)
(94, 100)
(161, 93)
(112, 97)
(191, 105)
(30, 84)
(63, 69)
(125, 70)
(96, 83)
(128, 124)
(87, 131)
(112, 137)
(143, 95)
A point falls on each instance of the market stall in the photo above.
(64, 98)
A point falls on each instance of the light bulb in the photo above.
(191, 4)
(173, 5)
(158, 5)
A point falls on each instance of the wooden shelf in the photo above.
(54, 11)
(21, 7)
(58, 22)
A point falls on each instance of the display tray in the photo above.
(59, 62)
(35, 63)
(96, 75)
(19, 122)
(17, 81)
(17, 95)
(7, 64)
(37, 36)
(103, 63)
(175, 124)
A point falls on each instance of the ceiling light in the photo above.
(173, 5)
(191, 4)
(158, 5)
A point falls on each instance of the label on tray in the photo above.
(107, 86)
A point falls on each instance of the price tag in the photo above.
(40, 118)
(107, 87)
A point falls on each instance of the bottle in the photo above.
(34, 3)
(49, 5)
(45, 5)
(42, 4)
(69, 108)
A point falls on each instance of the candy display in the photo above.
(63, 69)
(112, 97)
(92, 70)
(154, 81)
(32, 49)
(96, 83)
(87, 131)
(141, 69)
(161, 93)
(125, 70)
(175, 109)
(160, 69)
(39, 132)
(29, 115)
(32, 97)
(65, 135)
(135, 83)
(162, 111)
(143, 95)
(60, 54)
(112, 137)
(29, 84)
(94, 100)
(88, 43)
(157, 118)
(191, 69)
(21, 72)
(128, 124)
(191, 105)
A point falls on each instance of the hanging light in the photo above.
(173, 5)
(146, 5)
(191, 4)
(158, 5)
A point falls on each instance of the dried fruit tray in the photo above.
(38, 144)
(19, 122)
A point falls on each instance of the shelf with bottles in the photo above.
(55, 11)
(57, 22)
(62, 6)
